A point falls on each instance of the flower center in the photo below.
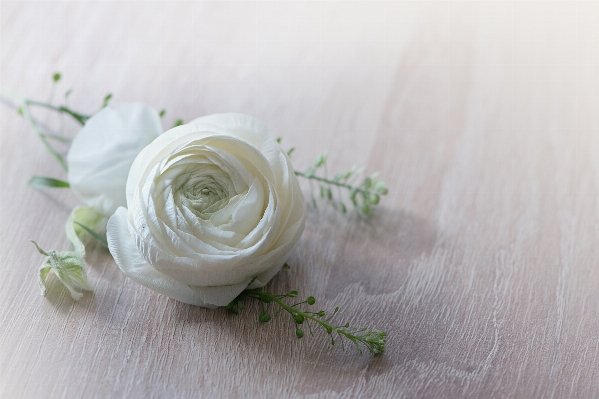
(205, 190)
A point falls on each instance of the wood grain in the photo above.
(481, 264)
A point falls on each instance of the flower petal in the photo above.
(101, 154)
(124, 251)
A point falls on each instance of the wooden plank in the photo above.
(481, 263)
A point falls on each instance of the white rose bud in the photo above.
(212, 205)
(101, 154)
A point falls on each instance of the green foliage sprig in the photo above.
(363, 196)
(369, 338)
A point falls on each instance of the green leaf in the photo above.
(343, 207)
(178, 122)
(106, 100)
(321, 159)
(93, 233)
(352, 196)
(162, 113)
(290, 151)
(41, 181)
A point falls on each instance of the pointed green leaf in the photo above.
(79, 224)
(41, 181)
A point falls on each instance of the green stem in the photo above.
(331, 182)
(373, 340)
(29, 118)
(77, 116)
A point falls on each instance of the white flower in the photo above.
(212, 205)
(101, 154)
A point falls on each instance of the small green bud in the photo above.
(366, 209)
(374, 199)
(278, 140)
(266, 299)
(311, 300)
(290, 151)
(292, 294)
(321, 159)
(299, 333)
(56, 77)
(321, 313)
(352, 196)
(264, 317)
(162, 113)
(178, 122)
(299, 319)
(329, 329)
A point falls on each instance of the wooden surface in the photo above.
(482, 263)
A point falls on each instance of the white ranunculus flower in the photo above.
(211, 205)
(101, 154)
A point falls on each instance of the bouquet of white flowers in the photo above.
(206, 213)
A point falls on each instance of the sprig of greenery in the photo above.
(364, 196)
(23, 109)
(371, 339)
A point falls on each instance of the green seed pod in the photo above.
(299, 333)
(264, 317)
(299, 319)
(311, 300)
